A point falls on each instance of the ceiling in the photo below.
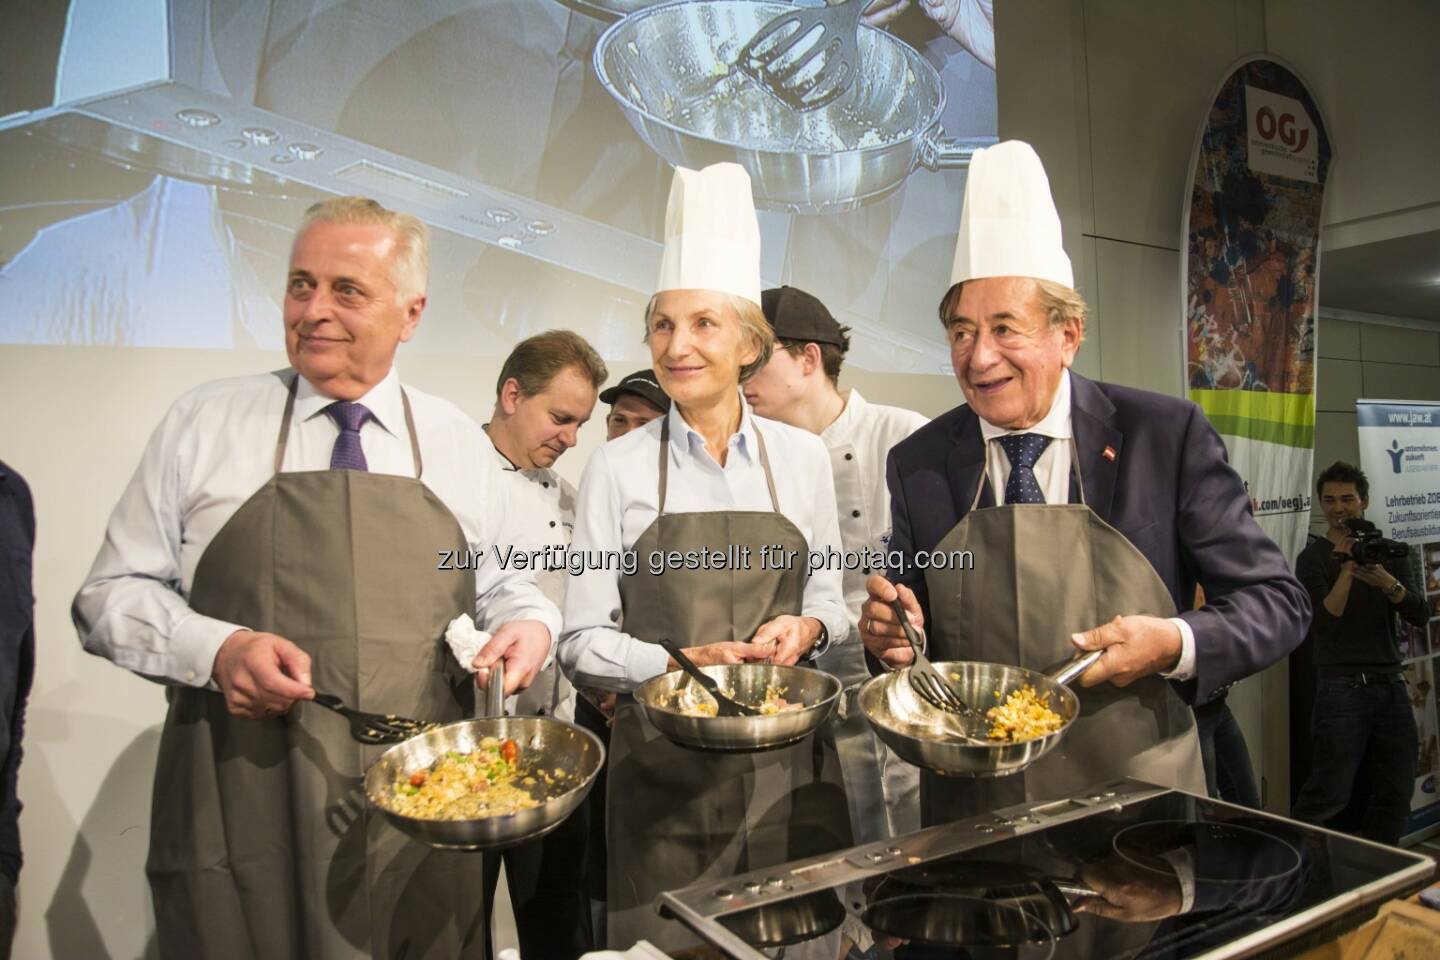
(1396, 278)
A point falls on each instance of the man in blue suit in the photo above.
(1089, 512)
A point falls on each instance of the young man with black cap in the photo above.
(634, 401)
(798, 386)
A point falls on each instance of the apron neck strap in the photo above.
(769, 477)
(414, 438)
(665, 465)
(283, 440)
(1074, 471)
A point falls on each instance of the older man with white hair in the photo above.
(288, 533)
(1090, 510)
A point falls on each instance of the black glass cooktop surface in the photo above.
(1128, 871)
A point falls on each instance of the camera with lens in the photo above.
(1367, 546)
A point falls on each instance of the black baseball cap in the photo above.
(643, 384)
(796, 315)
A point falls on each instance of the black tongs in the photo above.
(378, 728)
(727, 707)
(386, 728)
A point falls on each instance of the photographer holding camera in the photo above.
(1362, 718)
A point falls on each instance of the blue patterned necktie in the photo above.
(1023, 449)
(349, 417)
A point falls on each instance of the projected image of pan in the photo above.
(671, 68)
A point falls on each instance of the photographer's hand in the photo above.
(1381, 579)
(1374, 575)
(1339, 595)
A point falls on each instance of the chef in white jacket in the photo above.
(799, 386)
(545, 393)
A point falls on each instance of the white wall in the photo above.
(1374, 71)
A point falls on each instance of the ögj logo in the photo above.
(1268, 126)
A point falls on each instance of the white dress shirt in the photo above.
(619, 499)
(1052, 473)
(212, 451)
(859, 441)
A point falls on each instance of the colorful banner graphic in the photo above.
(1400, 454)
(1250, 279)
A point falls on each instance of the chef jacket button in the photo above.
(849, 456)
(190, 675)
(615, 615)
(854, 513)
(546, 485)
(552, 523)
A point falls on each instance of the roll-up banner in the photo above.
(1400, 454)
(1250, 278)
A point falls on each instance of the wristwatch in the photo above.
(1395, 590)
(820, 643)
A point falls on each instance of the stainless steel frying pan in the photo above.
(927, 737)
(666, 697)
(545, 743)
(671, 69)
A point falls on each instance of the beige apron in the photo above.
(678, 816)
(261, 841)
(1041, 573)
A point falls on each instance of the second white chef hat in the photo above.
(1009, 226)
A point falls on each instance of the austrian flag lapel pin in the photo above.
(1108, 453)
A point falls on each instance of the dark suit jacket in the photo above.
(1169, 490)
(17, 653)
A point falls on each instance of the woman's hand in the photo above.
(786, 638)
(729, 651)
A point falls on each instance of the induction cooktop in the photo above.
(1126, 870)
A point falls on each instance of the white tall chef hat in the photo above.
(1009, 226)
(712, 239)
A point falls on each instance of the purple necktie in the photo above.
(1023, 449)
(349, 417)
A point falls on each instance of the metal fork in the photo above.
(375, 728)
(928, 682)
(779, 57)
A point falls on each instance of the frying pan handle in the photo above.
(1075, 889)
(939, 152)
(495, 691)
(1076, 667)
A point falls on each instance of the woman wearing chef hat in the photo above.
(708, 475)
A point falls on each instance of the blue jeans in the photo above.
(1361, 727)
(1229, 774)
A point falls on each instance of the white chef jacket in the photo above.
(543, 503)
(1052, 473)
(619, 499)
(859, 441)
(212, 451)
